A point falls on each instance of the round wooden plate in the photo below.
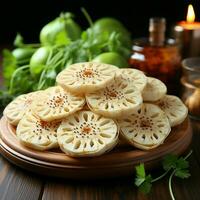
(119, 162)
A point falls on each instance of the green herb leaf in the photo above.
(169, 162)
(21, 77)
(145, 187)
(181, 170)
(19, 41)
(142, 181)
(177, 166)
(182, 173)
(62, 39)
(9, 65)
(5, 98)
(140, 171)
(182, 164)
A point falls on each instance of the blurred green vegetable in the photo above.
(31, 67)
(111, 58)
(38, 60)
(23, 55)
(9, 66)
(110, 25)
(60, 31)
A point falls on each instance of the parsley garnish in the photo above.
(171, 164)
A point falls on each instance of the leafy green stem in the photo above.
(170, 185)
(188, 155)
(178, 167)
(172, 174)
(34, 45)
(49, 56)
(87, 16)
(14, 75)
(160, 177)
(39, 87)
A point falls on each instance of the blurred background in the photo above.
(24, 69)
(28, 17)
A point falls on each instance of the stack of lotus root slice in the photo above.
(92, 108)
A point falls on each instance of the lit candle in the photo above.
(187, 34)
(190, 20)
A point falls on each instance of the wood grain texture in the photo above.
(15, 184)
(124, 189)
(119, 162)
(116, 189)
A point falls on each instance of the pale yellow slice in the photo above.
(116, 100)
(37, 134)
(146, 129)
(134, 76)
(174, 108)
(86, 77)
(16, 109)
(57, 103)
(154, 90)
(86, 134)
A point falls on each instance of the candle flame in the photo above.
(190, 14)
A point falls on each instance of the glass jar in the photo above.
(162, 62)
(191, 83)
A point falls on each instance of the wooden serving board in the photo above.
(119, 162)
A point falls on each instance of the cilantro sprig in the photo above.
(171, 164)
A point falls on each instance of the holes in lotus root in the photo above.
(146, 123)
(146, 128)
(100, 141)
(88, 136)
(112, 93)
(131, 101)
(163, 104)
(135, 135)
(155, 115)
(18, 107)
(58, 101)
(134, 76)
(155, 136)
(104, 135)
(41, 126)
(86, 130)
(85, 117)
(69, 140)
(143, 136)
(91, 143)
(76, 118)
(77, 144)
(66, 129)
(161, 125)
(127, 120)
(71, 123)
(57, 104)
(104, 122)
(87, 73)
(36, 133)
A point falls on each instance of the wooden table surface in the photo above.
(18, 184)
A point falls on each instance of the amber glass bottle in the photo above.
(157, 56)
